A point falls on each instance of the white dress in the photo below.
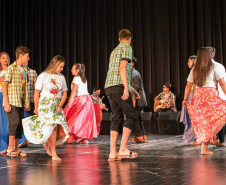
(38, 128)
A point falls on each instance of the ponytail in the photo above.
(81, 73)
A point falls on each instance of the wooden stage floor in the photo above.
(164, 160)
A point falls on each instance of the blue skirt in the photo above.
(4, 127)
(189, 133)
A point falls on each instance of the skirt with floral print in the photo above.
(208, 113)
(38, 128)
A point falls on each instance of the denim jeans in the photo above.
(120, 108)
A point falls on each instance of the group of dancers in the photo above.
(50, 125)
(204, 111)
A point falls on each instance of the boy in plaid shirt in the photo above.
(15, 96)
(32, 75)
(118, 91)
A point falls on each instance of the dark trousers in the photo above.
(221, 134)
(138, 126)
(120, 108)
(14, 118)
(32, 107)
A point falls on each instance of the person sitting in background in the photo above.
(96, 99)
(98, 106)
(165, 101)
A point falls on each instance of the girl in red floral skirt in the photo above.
(206, 109)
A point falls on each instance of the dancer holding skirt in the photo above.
(206, 109)
(49, 126)
(79, 111)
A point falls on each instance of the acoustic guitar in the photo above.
(161, 104)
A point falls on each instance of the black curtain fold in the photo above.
(165, 33)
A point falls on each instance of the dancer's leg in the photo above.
(52, 142)
(204, 150)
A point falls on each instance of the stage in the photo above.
(164, 160)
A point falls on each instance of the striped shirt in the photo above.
(16, 97)
(122, 52)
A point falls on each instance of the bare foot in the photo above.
(46, 146)
(113, 155)
(195, 143)
(78, 140)
(85, 141)
(55, 157)
(4, 152)
(207, 152)
(24, 144)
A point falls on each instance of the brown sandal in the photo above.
(131, 155)
(21, 154)
(11, 153)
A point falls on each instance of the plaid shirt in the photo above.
(31, 84)
(14, 90)
(122, 52)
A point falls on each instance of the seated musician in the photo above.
(165, 101)
(96, 99)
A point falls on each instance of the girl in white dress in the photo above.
(49, 126)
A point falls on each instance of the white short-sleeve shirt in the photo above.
(82, 87)
(2, 77)
(51, 85)
(216, 74)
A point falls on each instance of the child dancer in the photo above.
(49, 126)
(15, 96)
(79, 111)
(4, 137)
(189, 133)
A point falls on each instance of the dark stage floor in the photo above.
(164, 160)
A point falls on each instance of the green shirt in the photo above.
(122, 52)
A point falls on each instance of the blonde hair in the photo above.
(81, 73)
(4, 53)
(54, 63)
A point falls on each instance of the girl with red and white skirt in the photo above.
(79, 111)
(206, 109)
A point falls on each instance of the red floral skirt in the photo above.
(207, 112)
(81, 119)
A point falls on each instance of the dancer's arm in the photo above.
(73, 93)
(186, 93)
(62, 101)
(5, 96)
(123, 74)
(36, 100)
(135, 93)
(223, 85)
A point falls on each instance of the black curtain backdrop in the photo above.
(165, 33)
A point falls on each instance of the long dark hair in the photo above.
(81, 73)
(203, 66)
